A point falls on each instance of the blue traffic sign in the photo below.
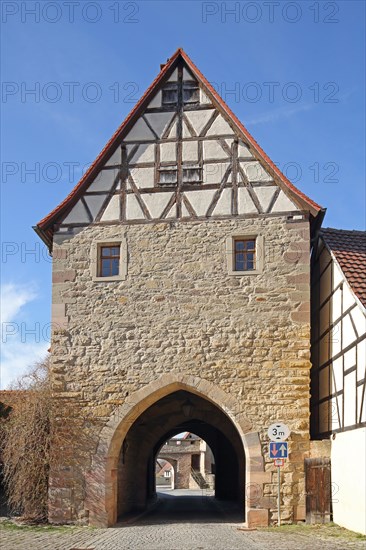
(278, 449)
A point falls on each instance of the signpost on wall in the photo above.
(278, 449)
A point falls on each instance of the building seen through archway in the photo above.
(185, 461)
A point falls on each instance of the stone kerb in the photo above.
(101, 480)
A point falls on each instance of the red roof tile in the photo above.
(349, 249)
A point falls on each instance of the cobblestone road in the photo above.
(188, 522)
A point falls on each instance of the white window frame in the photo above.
(259, 253)
(95, 259)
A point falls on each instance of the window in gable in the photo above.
(170, 94)
(191, 93)
(168, 175)
(192, 174)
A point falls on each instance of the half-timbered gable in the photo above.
(338, 375)
(339, 332)
(180, 154)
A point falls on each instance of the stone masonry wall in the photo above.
(179, 311)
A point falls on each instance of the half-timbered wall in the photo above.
(338, 350)
(181, 159)
(338, 386)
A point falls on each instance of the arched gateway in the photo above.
(180, 297)
(121, 476)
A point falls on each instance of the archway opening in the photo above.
(178, 413)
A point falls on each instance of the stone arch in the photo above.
(101, 479)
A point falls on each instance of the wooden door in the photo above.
(318, 490)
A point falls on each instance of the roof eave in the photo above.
(44, 235)
(334, 258)
(109, 148)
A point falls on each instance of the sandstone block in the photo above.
(63, 276)
(257, 518)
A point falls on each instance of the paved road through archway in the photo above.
(191, 506)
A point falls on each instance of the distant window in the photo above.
(192, 174)
(244, 255)
(168, 175)
(109, 261)
(170, 94)
(191, 93)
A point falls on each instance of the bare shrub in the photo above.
(26, 444)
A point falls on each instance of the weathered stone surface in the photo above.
(257, 518)
(179, 314)
(63, 276)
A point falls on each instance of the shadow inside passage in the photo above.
(183, 506)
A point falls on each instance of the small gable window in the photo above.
(168, 175)
(192, 174)
(170, 94)
(191, 93)
(109, 261)
(244, 255)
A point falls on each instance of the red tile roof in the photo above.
(349, 249)
(45, 227)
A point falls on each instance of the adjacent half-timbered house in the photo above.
(181, 302)
(338, 400)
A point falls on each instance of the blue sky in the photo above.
(293, 72)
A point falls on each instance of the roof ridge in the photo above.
(359, 231)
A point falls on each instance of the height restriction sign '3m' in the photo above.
(278, 431)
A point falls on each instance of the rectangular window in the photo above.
(191, 93)
(244, 255)
(109, 261)
(192, 174)
(168, 175)
(170, 94)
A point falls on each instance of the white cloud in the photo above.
(281, 112)
(17, 357)
(18, 351)
(13, 298)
